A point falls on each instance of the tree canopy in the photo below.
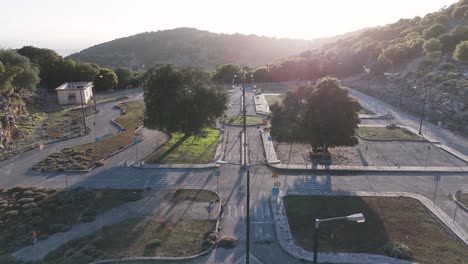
(55, 70)
(323, 116)
(182, 100)
(16, 72)
(225, 73)
(105, 79)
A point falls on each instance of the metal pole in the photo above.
(435, 192)
(136, 151)
(422, 112)
(316, 240)
(427, 156)
(82, 110)
(401, 96)
(455, 214)
(247, 246)
(94, 99)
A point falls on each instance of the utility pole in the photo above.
(423, 111)
(247, 244)
(83, 111)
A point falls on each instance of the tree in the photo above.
(124, 76)
(181, 100)
(461, 52)
(432, 45)
(225, 73)
(331, 116)
(434, 31)
(16, 72)
(107, 81)
(381, 66)
(459, 11)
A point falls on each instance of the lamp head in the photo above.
(358, 218)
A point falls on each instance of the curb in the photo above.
(357, 169)
(168, 259)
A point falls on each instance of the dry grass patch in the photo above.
(48, 211)
(386, 133)
(397, 219)
(137, 237)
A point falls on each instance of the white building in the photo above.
(76, 93)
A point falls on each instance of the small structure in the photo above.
(74, 93)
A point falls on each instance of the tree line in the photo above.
(30, 67)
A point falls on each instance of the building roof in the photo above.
(75, 86)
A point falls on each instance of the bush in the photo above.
(99, 163)
(207, 244)
(153, 244)
(228, 242)
(434, 31)
(398, 250)
(56, 227)
(213, 237)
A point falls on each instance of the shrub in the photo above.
(398, 250)
(434, 31)
(99, 163)
(12, 213)
(228, 242)
(459, 11)
(87, 219)
(28, 206)
(25, 200)
(56, 227)
(153, 244)
(213, 236)
(207, 244)
(40, 197)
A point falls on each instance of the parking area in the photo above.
(374, 153)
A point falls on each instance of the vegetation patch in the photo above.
(464, 199)
(84, 156)
(195, 195)
(271, 99)
(48, 211)
(138, 237)
(386, 133)
(250, 120)
(196, 149)
(395, 226)
(365, 111)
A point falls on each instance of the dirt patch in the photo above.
(399, 219)
(193, 195)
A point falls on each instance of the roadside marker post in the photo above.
(436, 180)
(457, 196)
(41, 147)
(135, 141)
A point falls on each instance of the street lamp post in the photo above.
(94, 95)
(247, 232)
(358, 218)
(423, 111)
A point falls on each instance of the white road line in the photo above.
(260, 222)
(229, 211)
(242, 211)
(255, 211)
(267, 211)
(235, 212)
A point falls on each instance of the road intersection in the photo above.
(228, 180)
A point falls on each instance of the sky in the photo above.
(69, 26)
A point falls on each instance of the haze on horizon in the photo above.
(69, 26)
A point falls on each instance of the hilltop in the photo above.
(190, 46)
(397, 63)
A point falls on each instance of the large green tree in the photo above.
(105, 79)
(181, 100)
(323, 116)
(331, 116)
(16, 72)
(225, 73)
(124, 76)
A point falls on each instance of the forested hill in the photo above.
(189, 46)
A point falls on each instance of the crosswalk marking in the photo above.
(259, 213)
